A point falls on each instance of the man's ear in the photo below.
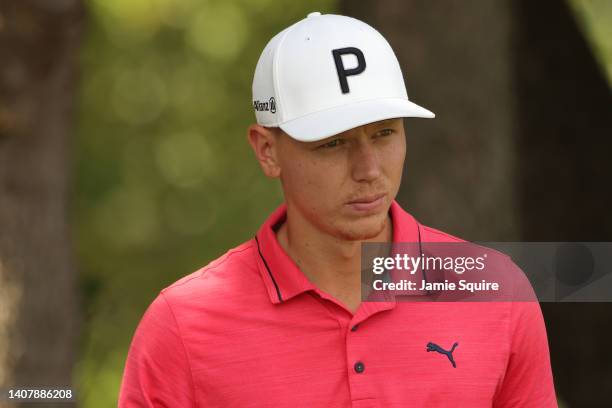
(263, 142)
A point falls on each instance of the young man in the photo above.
(278, 321)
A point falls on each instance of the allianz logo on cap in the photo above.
(269, 106)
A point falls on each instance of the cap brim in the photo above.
(329, 122)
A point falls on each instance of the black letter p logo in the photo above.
(342, 72)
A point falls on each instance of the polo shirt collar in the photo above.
(283, 278)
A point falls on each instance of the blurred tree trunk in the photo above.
(565, 124)
(518, 149)
(39, 42)
(457, 61)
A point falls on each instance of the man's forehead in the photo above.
(373, 125)
(368, 127)
(384, 122)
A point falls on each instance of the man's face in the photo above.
(344, 184)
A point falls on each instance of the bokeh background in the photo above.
(124, 163)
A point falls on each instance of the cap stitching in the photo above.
(277, 89)
(279, 98)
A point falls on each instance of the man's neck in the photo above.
(331, 263)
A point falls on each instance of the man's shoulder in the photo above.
(217, 272)
(500, 267)
(434, 235)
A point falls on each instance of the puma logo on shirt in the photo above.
(448, 353)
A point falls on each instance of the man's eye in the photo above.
(385, 132)
(333, 143)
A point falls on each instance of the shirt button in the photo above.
(354, 328)
(359, 367)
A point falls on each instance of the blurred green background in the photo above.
(595, 17)
(162, 163)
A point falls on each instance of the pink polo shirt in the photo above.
(250, 330)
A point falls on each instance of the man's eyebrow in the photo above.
(381, 123)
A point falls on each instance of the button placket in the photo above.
(359, 367)
(356, 361)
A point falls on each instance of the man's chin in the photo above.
(362, 231)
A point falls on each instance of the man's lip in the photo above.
(368, 199)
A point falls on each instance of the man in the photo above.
(278, 321)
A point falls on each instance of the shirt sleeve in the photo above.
(157, 372)
(528, 381)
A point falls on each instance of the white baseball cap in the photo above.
(327, 74)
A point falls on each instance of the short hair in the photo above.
(275, 129)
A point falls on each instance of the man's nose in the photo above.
(365, 162)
